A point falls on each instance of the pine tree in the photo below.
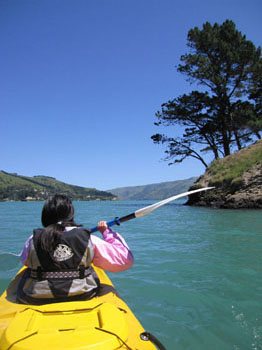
(225, 113)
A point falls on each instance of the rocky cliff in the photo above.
(237, 180)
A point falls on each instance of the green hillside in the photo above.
(229, 170)
(237, 179)
(153, 191)
(17, 187)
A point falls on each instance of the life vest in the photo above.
(66, 276)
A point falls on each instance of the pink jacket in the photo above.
(111, 254)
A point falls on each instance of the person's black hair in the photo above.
(57, 213)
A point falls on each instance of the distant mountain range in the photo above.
(153, 191)
(24, 188)
(14, 187)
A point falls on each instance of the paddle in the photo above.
(147, 210)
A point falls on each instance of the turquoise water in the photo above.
(197, 279)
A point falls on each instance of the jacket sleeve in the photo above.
(112, 254)
(24, 253)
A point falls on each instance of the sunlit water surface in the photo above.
(197, 279)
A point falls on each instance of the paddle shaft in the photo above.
(147, 210)
(116, 221)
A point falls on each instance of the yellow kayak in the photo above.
(102, 323)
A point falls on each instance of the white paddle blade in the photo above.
(147, 210)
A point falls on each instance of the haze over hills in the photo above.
(156, 191)
(18, 187)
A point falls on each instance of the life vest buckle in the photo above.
(81, 272)
(39, 273)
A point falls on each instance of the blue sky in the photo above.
(81, 81)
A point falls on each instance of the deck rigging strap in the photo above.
(117, 336)
(19, 340)
(150, 337)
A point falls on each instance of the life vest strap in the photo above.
(80, 273)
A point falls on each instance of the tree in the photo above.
(224, 115)
(255, 122)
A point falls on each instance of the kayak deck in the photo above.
(103, 323)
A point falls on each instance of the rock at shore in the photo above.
(237, 180)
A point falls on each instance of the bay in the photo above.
(196, 281)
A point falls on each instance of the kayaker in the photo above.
(59, 256)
